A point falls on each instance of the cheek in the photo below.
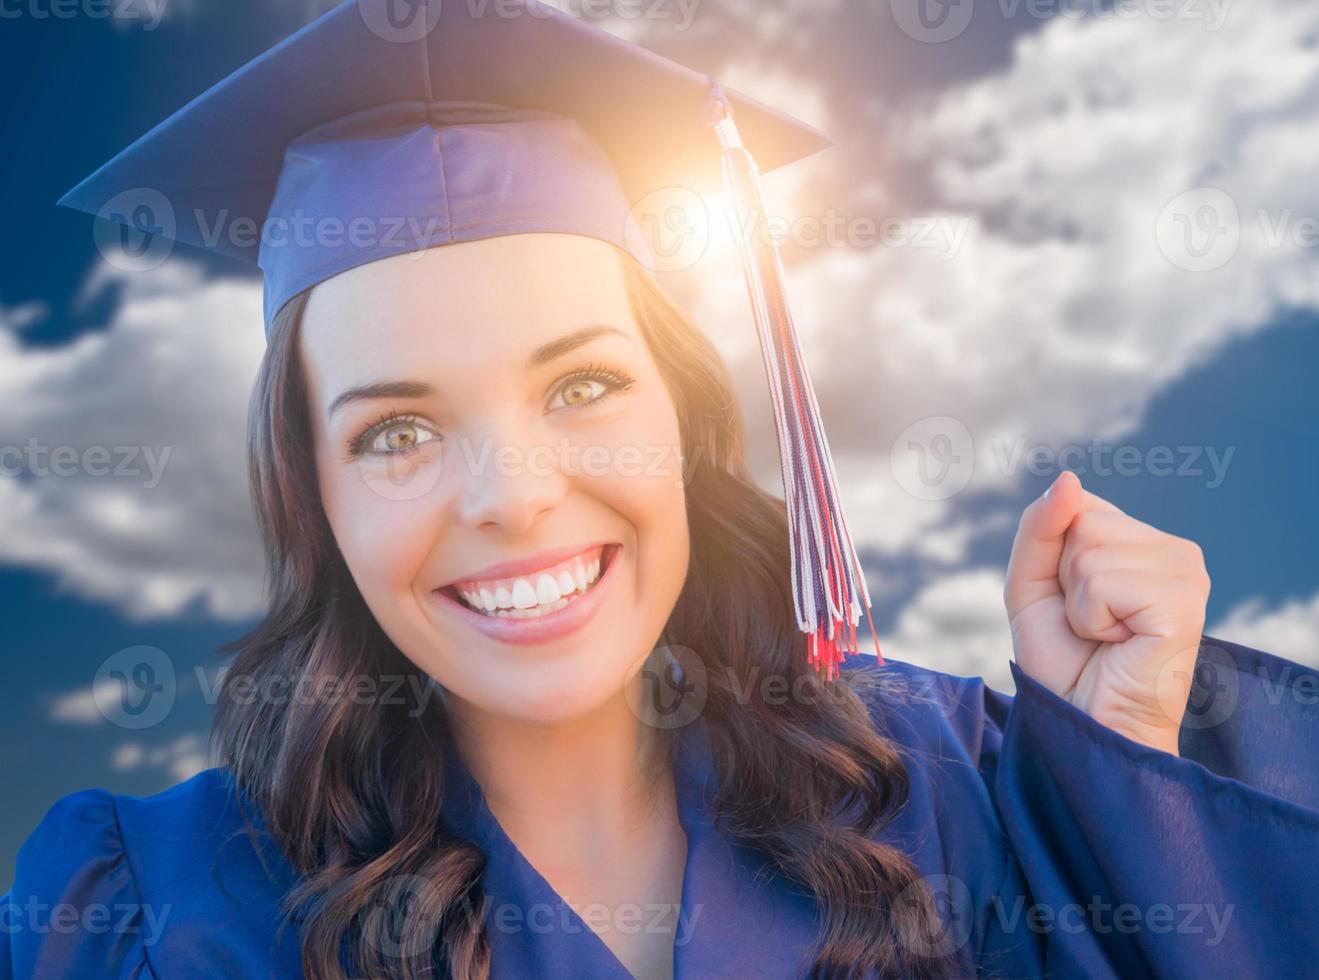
(639, 474)
(380, 536)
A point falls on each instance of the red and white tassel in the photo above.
(828, 585)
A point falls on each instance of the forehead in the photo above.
(462, 307)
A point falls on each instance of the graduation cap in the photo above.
(389, 126)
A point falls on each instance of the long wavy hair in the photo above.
(350, 791)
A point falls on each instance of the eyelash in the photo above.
(615, 380)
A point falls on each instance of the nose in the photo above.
(510, 484)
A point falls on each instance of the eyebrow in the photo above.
(549, 351)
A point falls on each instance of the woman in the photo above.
(531, 699)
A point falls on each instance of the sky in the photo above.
(1048, 235)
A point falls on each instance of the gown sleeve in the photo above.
(1133, 862)
(74, 908)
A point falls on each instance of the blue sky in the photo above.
(1061, 181)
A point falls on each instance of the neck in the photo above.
(597, 780)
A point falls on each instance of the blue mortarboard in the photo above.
(388, 126)
(426, 125)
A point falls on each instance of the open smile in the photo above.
(540, 606)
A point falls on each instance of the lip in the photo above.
(532, 563)
(541, 629)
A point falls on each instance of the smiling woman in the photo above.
(567, 692)
(542, 708)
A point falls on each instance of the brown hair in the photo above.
(349, 792)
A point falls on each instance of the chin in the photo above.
(555, 694)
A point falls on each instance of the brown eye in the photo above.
(400, 437)
(581, 391)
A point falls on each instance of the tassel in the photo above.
(828, 585)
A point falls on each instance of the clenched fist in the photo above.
(1106, 611)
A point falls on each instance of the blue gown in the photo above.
(1054, 845)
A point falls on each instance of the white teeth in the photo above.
(547, 595)
(524, 596)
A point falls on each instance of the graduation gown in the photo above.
(1054, 845)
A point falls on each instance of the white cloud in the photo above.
(180, 759)
(957, 625)
(16, 318)
(1287, 630)
(1060, 314)
(81, 707)
(1064, 313)
(125, 472)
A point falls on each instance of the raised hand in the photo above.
(1107, 611)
